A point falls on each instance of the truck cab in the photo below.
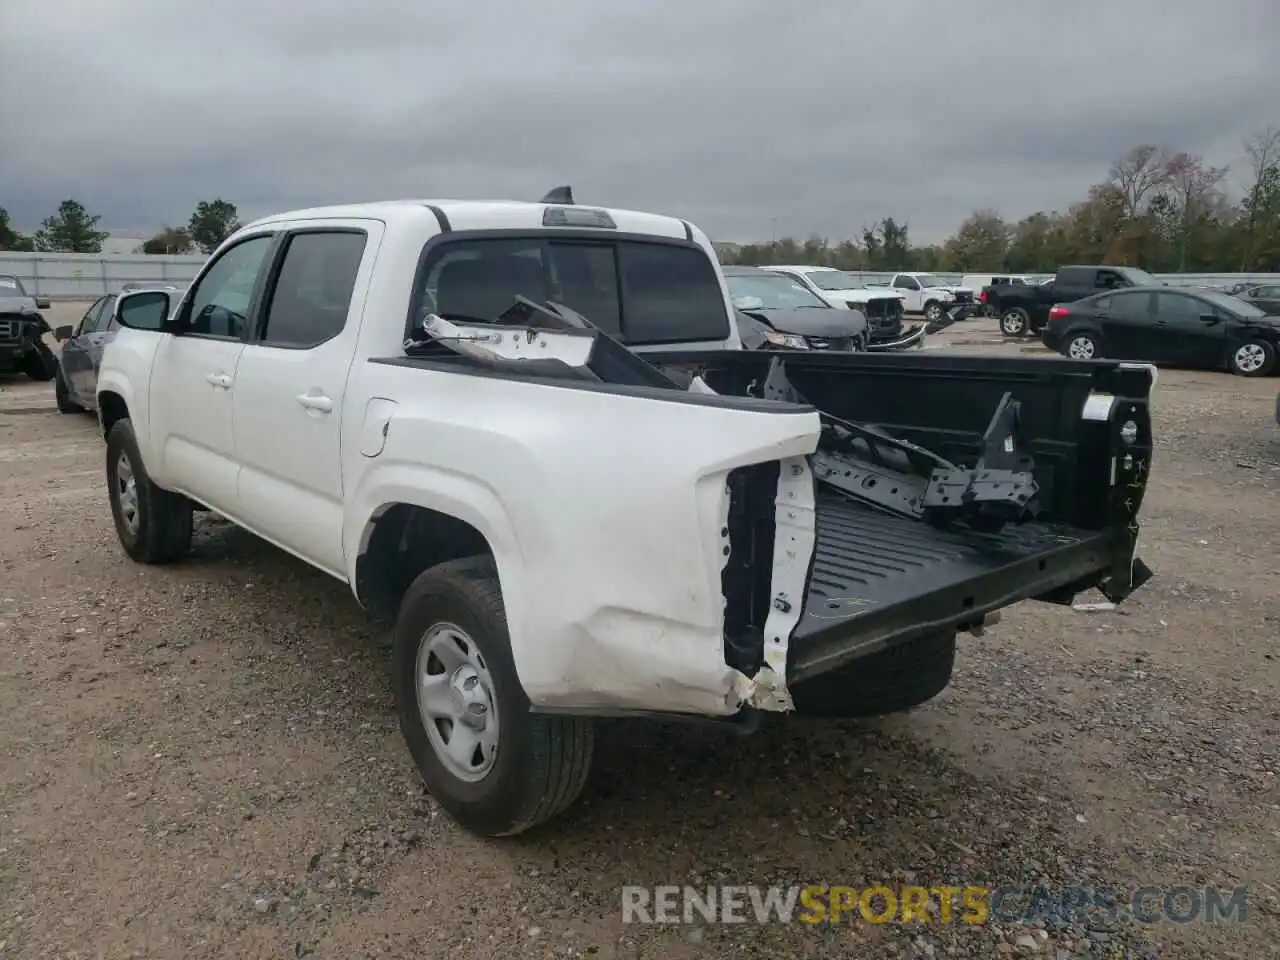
(527, 435)
(1024, 310)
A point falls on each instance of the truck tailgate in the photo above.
(878, 578)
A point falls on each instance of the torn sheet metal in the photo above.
(490, 343)
(795, 538)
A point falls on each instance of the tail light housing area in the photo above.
(1057, 312)
(982, 296)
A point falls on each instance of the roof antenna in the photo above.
(560, 195)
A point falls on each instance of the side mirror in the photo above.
(1209, 317)
(63, 333)
(146, 310)
(42, 303)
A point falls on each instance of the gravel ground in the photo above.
(203, 760)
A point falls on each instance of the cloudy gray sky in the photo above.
(743, 115)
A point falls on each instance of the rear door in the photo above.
(290, 383)
(1194, 330)
(1129, 329)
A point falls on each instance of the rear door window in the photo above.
(1135, 307)
(671, 294)
(641, 292)
(312, 294)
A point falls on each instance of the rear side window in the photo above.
(1130, 306)
(639, 292)
(311, 297)
(670, 294)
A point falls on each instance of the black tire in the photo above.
(890, 681)
(1254, 358)
(39, 363)
(542, 762)
(161, 528)
(1015, 322)
(63, 397)
(1081, 345)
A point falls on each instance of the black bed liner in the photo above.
(879, 579)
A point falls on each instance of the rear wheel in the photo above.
(1082, 346)
(493, 765)
(1015, 322)
(154, 525)
(902, 677)
(1253, 359)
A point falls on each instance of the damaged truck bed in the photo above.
(942, 489)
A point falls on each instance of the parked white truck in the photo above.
(930, 295)
(525, 431)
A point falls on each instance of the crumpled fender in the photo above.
(606, 516)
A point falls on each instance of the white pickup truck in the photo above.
(932, 296)
(526, 432)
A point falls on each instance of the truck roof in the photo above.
(484, 214)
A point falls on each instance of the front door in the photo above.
(195, 376)
(913, 298)
(290, 385)
(1194, 328)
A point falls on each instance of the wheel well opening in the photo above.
(111, 407)
(406, 540)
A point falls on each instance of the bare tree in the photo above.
(1191, 187)
(1137, 175)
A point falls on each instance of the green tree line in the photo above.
(72, 229)
(1162, 210)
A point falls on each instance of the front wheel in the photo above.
(63, 397)
(153, 524)
(494, 766)
(1015, 322)
(39, 363)
(933, 311)
(1253, 359)
(1082, 346)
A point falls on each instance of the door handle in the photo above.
(317, 402)
(219, 380)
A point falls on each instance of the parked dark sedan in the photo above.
(1165, 325)
(781, 314)
(75, 385)
(1264, 296)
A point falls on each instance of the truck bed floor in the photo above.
(878, 578)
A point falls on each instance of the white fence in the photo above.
(84, 276)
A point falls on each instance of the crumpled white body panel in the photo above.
(605, 514)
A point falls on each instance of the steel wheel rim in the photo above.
(126, 490)
(1081, 348)
(1013, 322)
(1250, 358)
(456, 701)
